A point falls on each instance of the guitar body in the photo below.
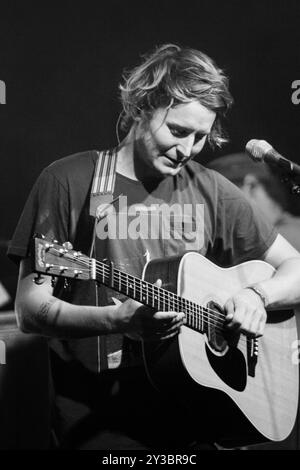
(241, 390)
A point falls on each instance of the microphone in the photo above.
(262, 151)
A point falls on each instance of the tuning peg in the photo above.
(39, 235)
(68, 246)
(39, 279)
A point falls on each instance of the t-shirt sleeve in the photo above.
(243, 233)
(45, 213)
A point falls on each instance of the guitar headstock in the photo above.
(55, 259)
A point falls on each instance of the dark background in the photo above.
(62, 65)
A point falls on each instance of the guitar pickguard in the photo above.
(230, 367)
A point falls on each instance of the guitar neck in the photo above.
(149, 294)
(137, 289)
(57, 260)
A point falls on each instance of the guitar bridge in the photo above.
(252, 355)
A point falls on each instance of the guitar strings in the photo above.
(168, 297)
(85, 261)
(211, 314)
(218, 325)
(209, 320)
(105, 271)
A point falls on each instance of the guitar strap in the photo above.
(102, 194)
(103, 181)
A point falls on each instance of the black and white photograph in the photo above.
(150, 228)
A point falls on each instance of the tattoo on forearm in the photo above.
(43, 311)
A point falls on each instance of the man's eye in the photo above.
(177, 132)
(181, 133)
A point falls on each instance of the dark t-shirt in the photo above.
(196, 210)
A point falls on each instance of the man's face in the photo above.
(172, 137)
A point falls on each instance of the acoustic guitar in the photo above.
(241, 388)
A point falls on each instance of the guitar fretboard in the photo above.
(57, 260)
(151, 295)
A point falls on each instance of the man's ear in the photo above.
(139, 120)
(250, 182)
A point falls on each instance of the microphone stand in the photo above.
(287, 178)
(290, 182)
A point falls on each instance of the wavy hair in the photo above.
(171, 75)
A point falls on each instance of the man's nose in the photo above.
(185, 147)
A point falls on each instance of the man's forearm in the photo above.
(54, 317)
(283, 289)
